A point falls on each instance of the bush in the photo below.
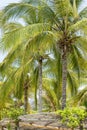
(72, 117)
(11, 113)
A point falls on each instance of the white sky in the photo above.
(2, 4)
(6, 2)
(84, 4)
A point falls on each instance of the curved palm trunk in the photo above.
(25, 97)
(40, 84)
(64, 76)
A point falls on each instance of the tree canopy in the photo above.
(47, 52)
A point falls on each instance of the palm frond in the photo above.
(17, 10)
(83, 13)
(80, 25)
(72, 83)
(75, 12)
(80, 98)
(61, 7)
(19, 35)
(78, 2)
(8, 27)
(35, 77)
(8, 86)
(51, 95)
(11, 57)
(82, 40)
(73, 62)
(20, 77)
(81, 52)
(1, 14)
(37, 43)
(47, 13)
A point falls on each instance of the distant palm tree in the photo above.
(16, 85)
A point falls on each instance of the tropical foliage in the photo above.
(46, 61)
(73, 117)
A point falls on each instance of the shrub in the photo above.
(72, 117)
(11, 113)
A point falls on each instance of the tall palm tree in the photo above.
(54, 74)
(67, 25)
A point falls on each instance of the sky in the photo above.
(2, 4)
(6, 2)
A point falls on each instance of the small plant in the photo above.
(72, 117)
(11, 113)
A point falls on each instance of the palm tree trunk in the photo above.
(64, 75)
(25, 97)
(36, 98)
(40, 84)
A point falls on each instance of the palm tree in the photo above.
(12, 54)
(19, 81)
(16, 31)
(59, 24)
(53, 74)
(66, 24)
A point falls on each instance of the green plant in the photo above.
(72, 117)
(11, 113)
